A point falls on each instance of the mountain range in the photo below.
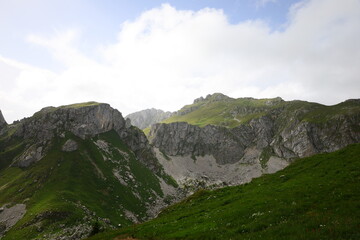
(72, 171)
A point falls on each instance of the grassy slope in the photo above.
(220, 112)
(61, 180)
(314, 198)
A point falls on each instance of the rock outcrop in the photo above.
(83, 121)
(9, 216)
(70, 146)
(147, 117)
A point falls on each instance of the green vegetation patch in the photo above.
(79, 105)
(265, 156)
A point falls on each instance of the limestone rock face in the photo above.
(147, 117)
(180, 138)
(285, 139)
(302, 139)
(83, 122)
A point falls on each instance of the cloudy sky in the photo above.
(137, 54)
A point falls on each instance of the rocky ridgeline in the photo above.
(275, 134)
(83, 121)
(147, 117)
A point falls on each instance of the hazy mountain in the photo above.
(147, 117)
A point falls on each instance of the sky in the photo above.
(142, 54)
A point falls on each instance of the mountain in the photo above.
(68, 172)
(147, 117)
(314, 198)
(221, 141)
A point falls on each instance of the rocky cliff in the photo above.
(84, 121)
(147, 117)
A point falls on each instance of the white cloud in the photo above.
(167, 57)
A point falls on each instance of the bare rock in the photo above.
(70, 146)
(32, 154)
(10, 216)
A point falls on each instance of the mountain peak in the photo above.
(212, 97)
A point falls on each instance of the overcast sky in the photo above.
(142, 54)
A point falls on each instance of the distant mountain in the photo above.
(219, 140)
(313, 198)
(71, 171)
(147, 117)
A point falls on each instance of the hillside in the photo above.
(71, 171)
(314, 198)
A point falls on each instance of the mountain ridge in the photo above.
(265, 137)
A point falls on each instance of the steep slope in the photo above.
(68, 172)
(313, 198)
(220, 140)
(145, 118)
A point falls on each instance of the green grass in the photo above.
(79, 105)
(146, 131)
(314, 198)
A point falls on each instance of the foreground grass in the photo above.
(314, 198)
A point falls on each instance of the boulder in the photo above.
(70, 146)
